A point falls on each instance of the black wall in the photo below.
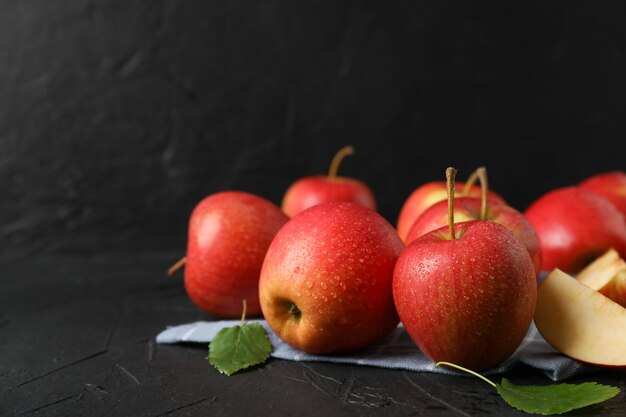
(116, 117)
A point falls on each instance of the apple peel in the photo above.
(581, 322)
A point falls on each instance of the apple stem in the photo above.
(174, 268)
(471, 180)
(484, 188)
(334, 165)
(243, 314)
(450, 174)
(466, 370)
(294, 311)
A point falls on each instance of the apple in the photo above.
(607, 275)
(580, 322)
(466, 209)
(469, 208)
(610, 185)
(325, 285)
(430, 193)
(575, 226)
(466, 293)
(229, 233)
(310, 191)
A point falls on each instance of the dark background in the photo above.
(117, 117)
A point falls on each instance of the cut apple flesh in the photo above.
(602, 270)
(607, 275)
(580, 322)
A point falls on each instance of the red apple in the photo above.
(575, 226)
(610, 185)
(469, 208)
(326, 281)
(229, 233)
(466, 293)
(430, 193)
(310, 191)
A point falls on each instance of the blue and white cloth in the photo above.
(396, 351)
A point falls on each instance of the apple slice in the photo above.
(580, 322)
(607, 275)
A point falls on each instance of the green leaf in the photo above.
(546, 399)
(239, 347)
(554, 399)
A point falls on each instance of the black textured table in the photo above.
(77, 339)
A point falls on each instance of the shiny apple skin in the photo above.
(469, 300)
(468, 208)
(311, 191)
(575, 226)
(229, 233)
(335, 262)
(610, 185)
(428, 194)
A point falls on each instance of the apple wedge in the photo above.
(607, 275)
(580, 322)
